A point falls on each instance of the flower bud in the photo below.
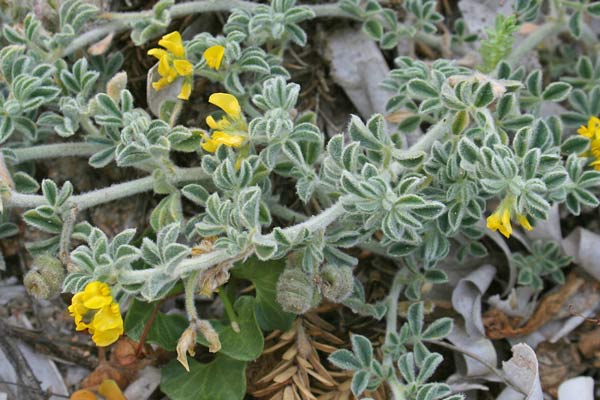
(116, 84)
(296, 291)
(336, 282)
(45, 278)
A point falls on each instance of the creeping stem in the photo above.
(120, 22)
(549, 29)
(111, 193)
(44, 151)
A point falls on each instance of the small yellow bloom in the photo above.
(227, 103)
(173, 64)
(500, 219)
(221, 138)
(213, 56)
(173, 43)
(94, 309)
(228, 131)
(524, 222)
(592, 132)
(592, 129)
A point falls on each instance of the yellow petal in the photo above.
(506, 227)
(108, 317)
(493, 221)
(227, 103)
(583, 131)
(161, 83)
(214, 56)
(593, 124)
(158, 53)
(186, 90)
(227, 139)
(110, 390)
(183, 67)
(173, 43)
(221, 124)
(522, 219)
(106, 337)
(96, 295)
(210, 146)
(210, 121)
(164, 68)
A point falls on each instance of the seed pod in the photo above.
(45, 278)
(336, 282)
(296, 291)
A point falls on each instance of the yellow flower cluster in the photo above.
(500, 219)
(94, 309)
(173, 64)
(230, 129)
(592, 132)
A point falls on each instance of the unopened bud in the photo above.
(116, 84)
(296, 291)
(336, 282)
(45, 278)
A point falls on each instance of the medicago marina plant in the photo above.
(264, 216)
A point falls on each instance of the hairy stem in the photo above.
(44, 151)
(120, 22)
(190, 290)
(549, 29)
(65, 235)
(111, 193)
(391, 316)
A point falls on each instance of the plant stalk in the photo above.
(45, 151)
(111, 193)
(120, 22)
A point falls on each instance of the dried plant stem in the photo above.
(480, 360)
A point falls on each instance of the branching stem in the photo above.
(120, 22)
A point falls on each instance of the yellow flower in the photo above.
(522, 219)
(227, 103)
(213, 56)
(230, 130)
(94, 309)
(592, 132)
(221, 138)
(500, 219)
(172, 64)
(592, 129)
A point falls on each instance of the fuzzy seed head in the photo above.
(336, 283)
